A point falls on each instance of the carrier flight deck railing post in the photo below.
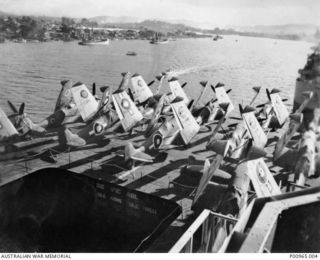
(191, 242)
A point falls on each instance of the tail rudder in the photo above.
(73, 139)
(131, 153)
(219, 146)
(125, 81)
(106, 97)
(203, 181)
(209, 170)
(65, 96)
(36, 128)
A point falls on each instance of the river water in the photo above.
(32, 72)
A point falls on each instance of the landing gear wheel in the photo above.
(130, 164)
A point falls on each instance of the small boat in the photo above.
(157, 40)
(131, 53)
(94, 42)
(217, 37)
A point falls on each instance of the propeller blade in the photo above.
(12, 106)
(261, 105)
(21, 109)
(150, 83)
(177, 99)
(240, 109)
(190, 104)
(184, 84)
(285, 99)
(268, 94)
(130, 94)
(257, 90)
(235, 118)
(94, 89)
(229, 90)
(232, 125)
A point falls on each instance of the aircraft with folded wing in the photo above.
(250, 168)
(98, 116)
(296, 122)
(182, 124)
(15, 144)
(303, 158)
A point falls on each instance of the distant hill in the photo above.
(155, 25)
(4, 14)
(161, 26)
(114, 20)
(306, 29)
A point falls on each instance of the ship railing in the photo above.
(206, 234)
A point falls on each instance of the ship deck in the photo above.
(162, 178)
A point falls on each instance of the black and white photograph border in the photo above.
(158, 126)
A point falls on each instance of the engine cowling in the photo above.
(99, 127)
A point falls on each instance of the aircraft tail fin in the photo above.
(7, 129)
(36, 128)
(73, 139)
(219, 146)
(255, 152)
(224, 107)
(279, 107)
(307, 97)
(65, 96)
(190, 104)
(155, 116)
(253, 126)
(160, 79)
(131, 153)
(106, 97)
(261, 178)
(297, 119)
(124, 81)
(208, 172)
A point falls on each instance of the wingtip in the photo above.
(173, 79)
(248, 109)
(203, 83)
(257, 89)
(275, 90)
(177, 99)
(224, 106)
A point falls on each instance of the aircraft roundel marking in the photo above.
(157, 140)
(139, 82)
(97, 128)
(182, 113)
(125, 103)
(262, 175)
(52, 120)
(252, 123)
(67, 93)
(83, 93)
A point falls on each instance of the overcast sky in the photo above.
(205, 12)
